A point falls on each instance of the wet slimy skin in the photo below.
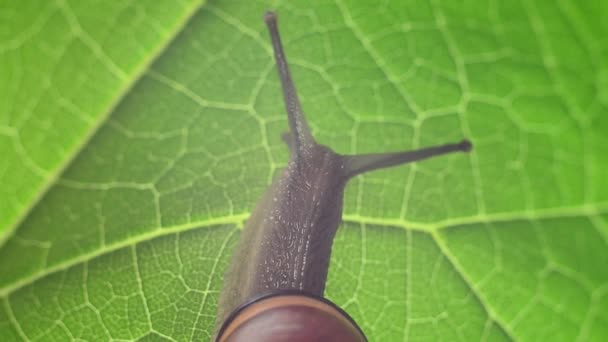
(286, 243)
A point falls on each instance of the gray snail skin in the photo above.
(286, 244)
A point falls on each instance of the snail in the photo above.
(273, 289)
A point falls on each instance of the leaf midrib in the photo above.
(238, 221)
(139, 72)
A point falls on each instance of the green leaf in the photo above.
(133, 236)
(65, 66)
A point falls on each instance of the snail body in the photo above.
(285, 246)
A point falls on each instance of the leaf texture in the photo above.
(126, 181)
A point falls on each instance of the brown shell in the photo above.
(292, 318)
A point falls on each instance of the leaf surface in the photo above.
(65, 66)
(508, 243)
